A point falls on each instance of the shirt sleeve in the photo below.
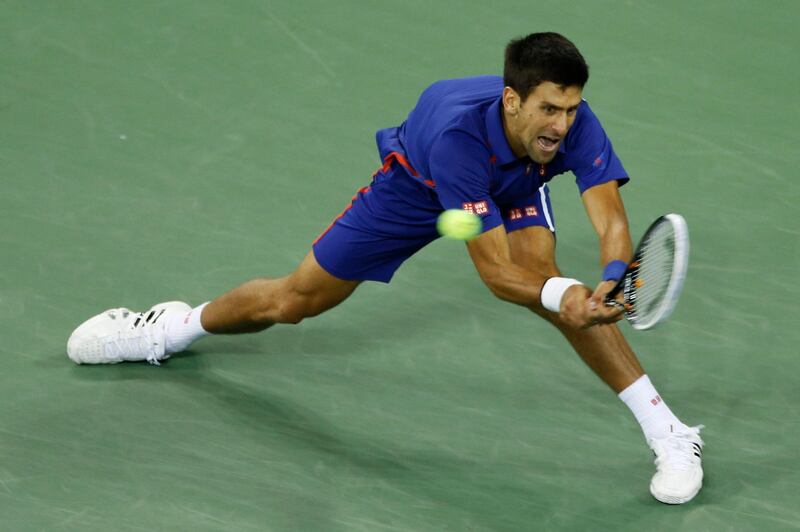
(590, 154)
(461, 170)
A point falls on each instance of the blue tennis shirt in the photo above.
(454, 143)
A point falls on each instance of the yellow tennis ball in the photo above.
(459, 224)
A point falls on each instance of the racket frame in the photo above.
(680, 265)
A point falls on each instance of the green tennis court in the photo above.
(153, 151)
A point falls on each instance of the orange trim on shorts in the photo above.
(362, 190)
(387, 165)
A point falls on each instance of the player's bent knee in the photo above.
(293, 311)
(296, 308)
(293, 300)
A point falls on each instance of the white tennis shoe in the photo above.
(119, 335)
(679, 473)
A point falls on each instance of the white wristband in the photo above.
(553, 290)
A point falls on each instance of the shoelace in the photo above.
(143, 341)
(680, 449)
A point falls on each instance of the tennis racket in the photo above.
(654, 278)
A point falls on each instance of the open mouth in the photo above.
(547, 144)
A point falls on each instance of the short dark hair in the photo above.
(541, 57)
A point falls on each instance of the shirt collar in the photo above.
(497, 135)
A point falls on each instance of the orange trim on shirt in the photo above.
(404, 163)
(401, 159)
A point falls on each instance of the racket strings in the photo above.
(650, 281)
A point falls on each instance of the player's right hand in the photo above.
(580, 310)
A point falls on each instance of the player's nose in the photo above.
(559, 125)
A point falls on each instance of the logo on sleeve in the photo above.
(476, 207)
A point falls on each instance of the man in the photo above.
(487, 145)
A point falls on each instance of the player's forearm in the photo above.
(607, 213)
(615, 243)
(513, 283)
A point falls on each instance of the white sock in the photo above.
(652, 413)
(183, 329)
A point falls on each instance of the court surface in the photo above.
(152, 151)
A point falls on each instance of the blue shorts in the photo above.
(393, 218)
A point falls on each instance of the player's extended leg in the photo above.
(603, 348)
(385, 223)
(260, 303)
(119, 335)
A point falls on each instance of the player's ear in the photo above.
(511, 101)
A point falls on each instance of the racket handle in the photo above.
(615, 291)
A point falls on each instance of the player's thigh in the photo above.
(314, 289)
(534, 248)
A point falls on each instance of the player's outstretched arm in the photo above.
(491, 254)
(606, 211)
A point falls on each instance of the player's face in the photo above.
(537, 126)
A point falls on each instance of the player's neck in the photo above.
(511, 136)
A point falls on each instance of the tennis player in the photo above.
(488, 145)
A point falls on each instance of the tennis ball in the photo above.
(459, 224)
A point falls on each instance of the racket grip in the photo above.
(610, 297)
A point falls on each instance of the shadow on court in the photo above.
(481, 492)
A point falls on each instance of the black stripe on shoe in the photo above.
(698, 451)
